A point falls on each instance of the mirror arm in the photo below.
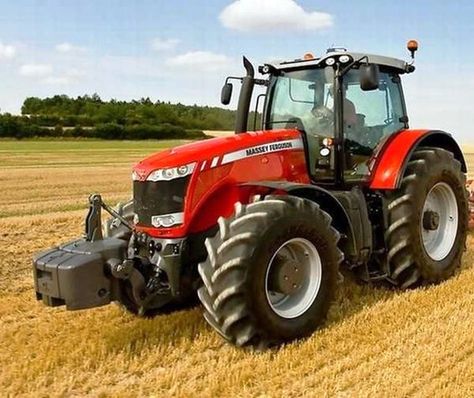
(232, 78)
(356, 61)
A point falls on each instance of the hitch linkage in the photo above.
(93, 218)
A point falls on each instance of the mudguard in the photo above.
(326, 200)
(391, 160)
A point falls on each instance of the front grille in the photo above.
(157, 198)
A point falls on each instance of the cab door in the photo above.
(369, 117)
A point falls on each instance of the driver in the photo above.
(320, 120)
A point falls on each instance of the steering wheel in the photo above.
(323, 115)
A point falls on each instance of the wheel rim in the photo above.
(292, 296)
(439, 223)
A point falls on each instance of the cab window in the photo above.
(369, 116)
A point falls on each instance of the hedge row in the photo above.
(16, 127)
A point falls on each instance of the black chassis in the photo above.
(93, 271)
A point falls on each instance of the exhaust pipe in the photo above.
(245, 97)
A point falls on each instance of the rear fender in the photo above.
(391, 161)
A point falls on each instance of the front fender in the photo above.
(325, 199)
(391, 161)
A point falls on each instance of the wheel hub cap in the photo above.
(430, 220)
(293, 278)
(287, 277)
(439, 223)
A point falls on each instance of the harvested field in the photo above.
(376, 342)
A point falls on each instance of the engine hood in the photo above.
(207, 150)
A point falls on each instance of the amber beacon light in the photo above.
(412, 46)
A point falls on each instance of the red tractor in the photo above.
(259, 223)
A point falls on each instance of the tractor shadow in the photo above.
(353, 296)
(134, 335)
(182, 328)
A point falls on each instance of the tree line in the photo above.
(90, 116)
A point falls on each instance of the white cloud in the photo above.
(203, 61)
(7, 51)
(75, 73)
(36, 70)
(271, 15)
(159, 44)
(68, 48)
(57, 80)
(69, 76)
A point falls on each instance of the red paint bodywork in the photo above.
(389, 161)
(212, 191)
(214, 187)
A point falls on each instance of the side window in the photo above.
(369, 116)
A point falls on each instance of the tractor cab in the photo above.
(345, 104)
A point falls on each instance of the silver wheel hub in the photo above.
(439, 223)
(293, 278)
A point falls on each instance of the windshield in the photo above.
(303, 99)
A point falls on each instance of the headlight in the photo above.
(183, 170)
(167, 220)
(171, 173)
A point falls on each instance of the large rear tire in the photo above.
(428, 219)
(271, 271)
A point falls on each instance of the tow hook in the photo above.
(125, 270)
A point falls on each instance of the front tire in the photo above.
(271, 272)
(428, 219)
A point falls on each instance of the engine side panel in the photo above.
(216, 185)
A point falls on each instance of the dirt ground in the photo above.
(376, 342)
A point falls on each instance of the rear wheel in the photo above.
(271, 272)
(428, 219)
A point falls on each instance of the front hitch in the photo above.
(92, 271)
(94, 217)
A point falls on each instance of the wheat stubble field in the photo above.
(376, 342)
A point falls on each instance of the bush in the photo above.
(108, 131)
(78, 131)
(24, 127)
(195, 134)
(158, 132)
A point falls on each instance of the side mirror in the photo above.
(226, 94)
(369, 77)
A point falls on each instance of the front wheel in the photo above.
(271, 272)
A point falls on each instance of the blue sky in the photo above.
(182, 50)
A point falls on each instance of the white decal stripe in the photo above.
(271, 147)
(214, 162)
(203, 165)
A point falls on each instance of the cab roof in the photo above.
(399, 65)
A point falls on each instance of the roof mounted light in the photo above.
(344, 59)
(412, 46)
(336, 50)
(330, 61)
